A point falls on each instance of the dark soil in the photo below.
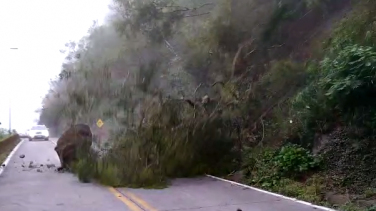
(350, 160)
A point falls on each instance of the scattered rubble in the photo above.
(39, 167)
(51, 166)
(32, 165)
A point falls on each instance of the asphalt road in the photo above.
(35, 187)
(39, 188)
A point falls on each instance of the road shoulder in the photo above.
(211, 194)
(7, 151)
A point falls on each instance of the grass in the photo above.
(3, 138)
(314, 190)
(7, 145)
(311, 190)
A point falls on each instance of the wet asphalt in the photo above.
(30, 183)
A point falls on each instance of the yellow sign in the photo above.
(99, 123)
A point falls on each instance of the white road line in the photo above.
(7, 160)
(274, 194)
(256, 189)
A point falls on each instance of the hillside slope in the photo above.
(270, 87)
(341, 137)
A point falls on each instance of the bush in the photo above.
(268, 167)
(344, 92)
(311, 190)
(349, 81)
(260, 169)
(169, 142)
(293, 161)
(85, 167)
(357, 28)
(372, 208)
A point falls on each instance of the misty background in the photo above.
(39, 29)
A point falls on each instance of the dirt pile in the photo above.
(350, 160)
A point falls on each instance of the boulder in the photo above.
(72, 143)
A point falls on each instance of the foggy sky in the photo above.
(39, 29)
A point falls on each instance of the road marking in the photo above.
(126, 201)
(139, 201)
(273, 194)
(130, 203)
(7, 160)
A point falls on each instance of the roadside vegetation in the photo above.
(7, 144)
(3, 133)
(224, 87)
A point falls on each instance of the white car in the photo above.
(38, 132)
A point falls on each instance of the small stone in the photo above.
(31, 164)
(38, 170)
(3, 165)
(60, 170)
(41, 164)
(22, 156)
(50, 165)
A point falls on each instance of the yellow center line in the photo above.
(126, 201)
(139, 201)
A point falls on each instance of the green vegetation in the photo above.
(268, 168)
(192, 87)
(7, 144)
(3, 134)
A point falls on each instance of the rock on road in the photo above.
(25, 187)
(38, 187)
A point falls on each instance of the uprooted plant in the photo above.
(167, 138)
